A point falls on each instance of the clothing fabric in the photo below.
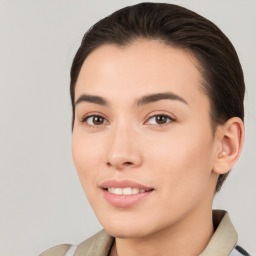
(222, 243)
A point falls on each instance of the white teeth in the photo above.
(118, 191)
(135, 191)
(125, 191)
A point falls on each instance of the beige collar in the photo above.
(224, 238)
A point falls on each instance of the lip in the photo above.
(124, 201)
(123, 184)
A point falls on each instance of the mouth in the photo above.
(124, 193)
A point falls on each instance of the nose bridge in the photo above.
(123, 151)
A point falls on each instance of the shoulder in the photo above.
(98, 244)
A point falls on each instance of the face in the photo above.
(142, 141)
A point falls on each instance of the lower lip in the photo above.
(125, 200)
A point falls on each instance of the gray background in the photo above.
(41, 201)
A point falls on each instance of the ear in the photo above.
(230, 140)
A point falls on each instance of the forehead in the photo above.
(145, 66)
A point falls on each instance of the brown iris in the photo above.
(98, 120)
(161, 119)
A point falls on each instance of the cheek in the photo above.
(86, 157)
(180, 160)
(181, 173)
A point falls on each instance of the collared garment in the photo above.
(222, 243)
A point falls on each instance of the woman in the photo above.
(157, 94)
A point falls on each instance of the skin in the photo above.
(181, 158)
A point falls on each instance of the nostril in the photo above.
(119, 165)
(127, 163)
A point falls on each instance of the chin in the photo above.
(125, 233)
(129, 229)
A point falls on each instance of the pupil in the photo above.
(97, 120)
(161, 119)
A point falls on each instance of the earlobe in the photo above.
(231, 140)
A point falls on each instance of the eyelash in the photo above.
(85, 119)
(161, 115)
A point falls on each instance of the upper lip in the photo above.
(123, 184)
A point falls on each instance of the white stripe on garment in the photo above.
(71, 251)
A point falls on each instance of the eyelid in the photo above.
(92, 114)
(172, 119)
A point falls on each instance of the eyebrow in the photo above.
(159, 96)
(92, 99)
(150, 98)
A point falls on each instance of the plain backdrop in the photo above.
(41, 201)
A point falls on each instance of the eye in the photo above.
(95, 120)
(159, 119)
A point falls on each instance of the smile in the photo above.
(126, 191)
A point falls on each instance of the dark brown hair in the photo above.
(178, 27)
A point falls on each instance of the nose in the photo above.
(123, 150)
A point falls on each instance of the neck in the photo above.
(188, 237)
